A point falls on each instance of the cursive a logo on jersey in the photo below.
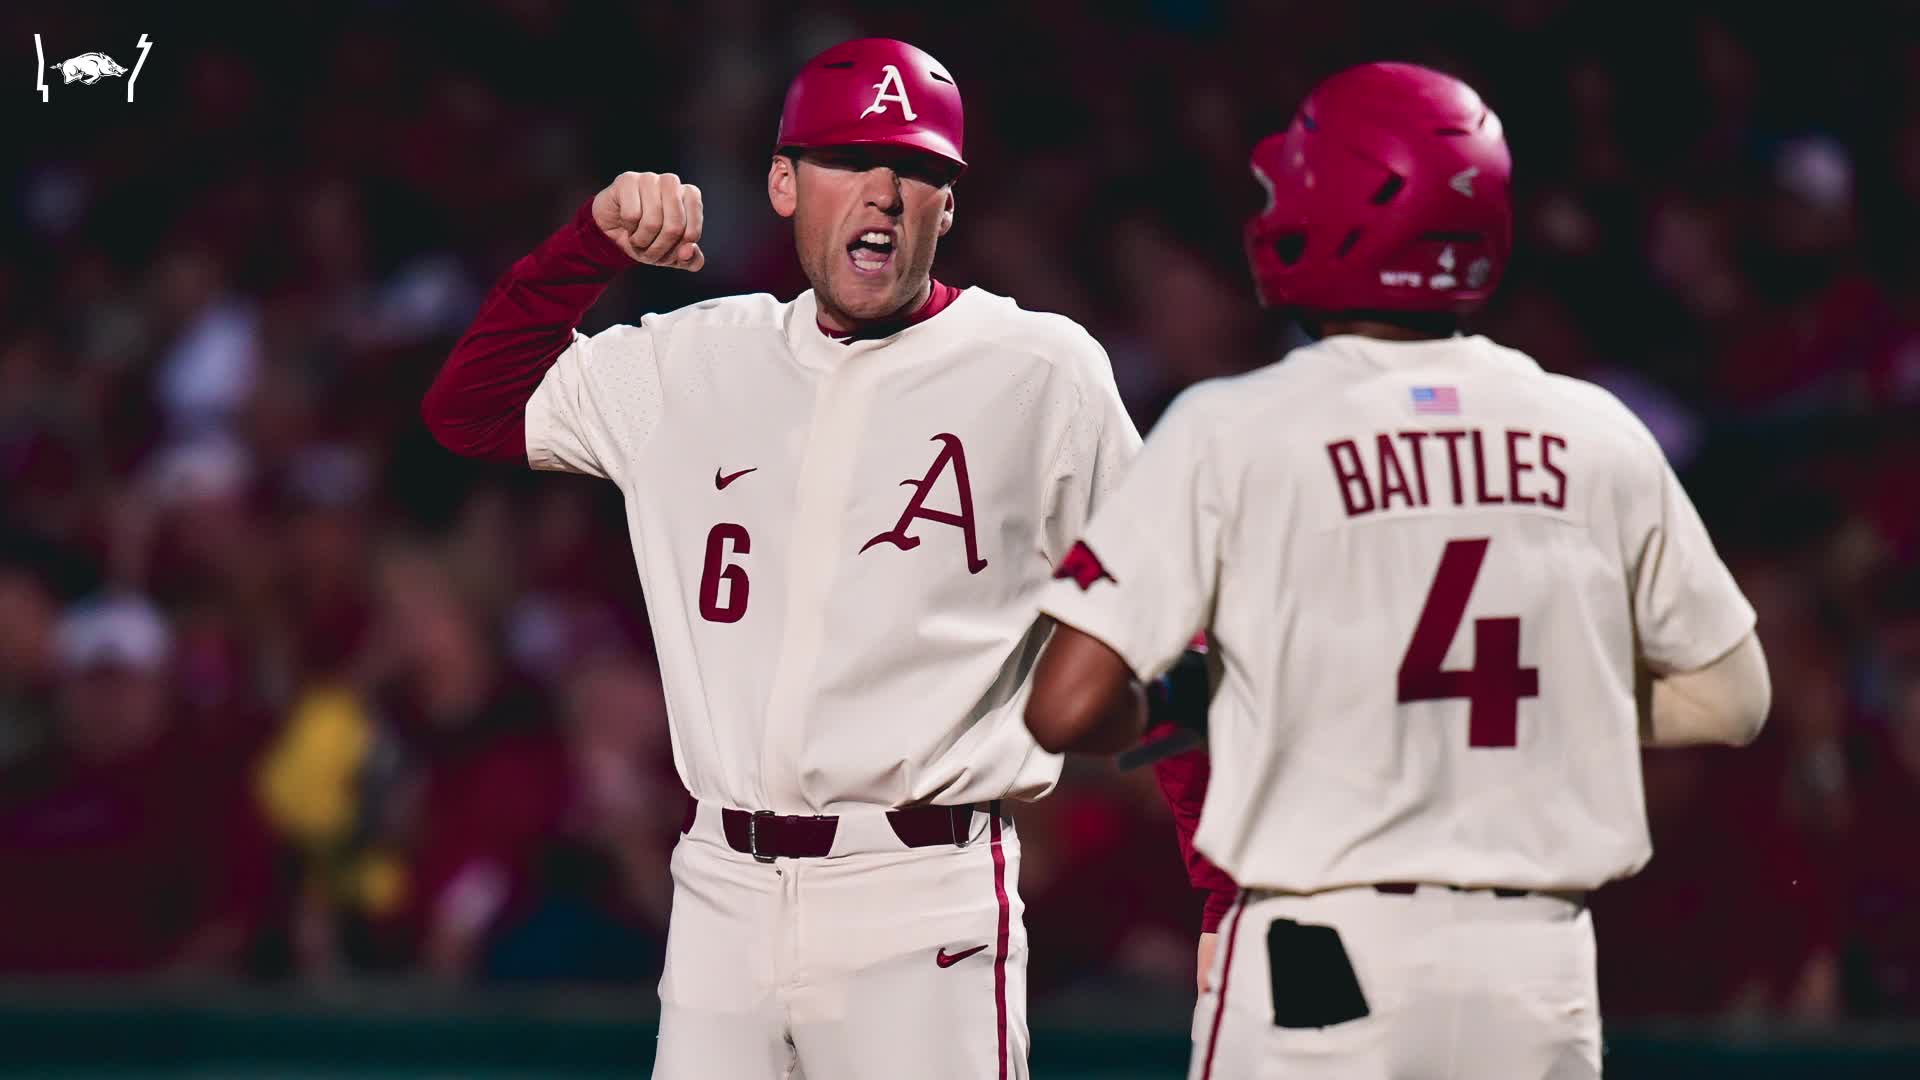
(950, 452)
(86, 68)
(890, 76)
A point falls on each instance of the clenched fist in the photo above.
(654, 218)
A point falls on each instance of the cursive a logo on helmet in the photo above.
(890, 76)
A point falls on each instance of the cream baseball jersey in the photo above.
(840, 543)
(1427, 567)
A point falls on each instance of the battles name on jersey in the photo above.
(1427, 569)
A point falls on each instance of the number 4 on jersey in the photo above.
(1496, 682)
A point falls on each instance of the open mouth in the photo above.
(871, 251)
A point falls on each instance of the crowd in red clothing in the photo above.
(289, 692)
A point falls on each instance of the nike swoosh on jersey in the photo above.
(947, 960)
(720, 482)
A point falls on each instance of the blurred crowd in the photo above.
(289, 693)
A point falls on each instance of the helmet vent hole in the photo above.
(839, 64)
(939, 76)
(1346, 244)
(1388, 190)
(1306, 121)
(1290, 247)
(1451, 131)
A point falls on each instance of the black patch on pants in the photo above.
(1313, 981)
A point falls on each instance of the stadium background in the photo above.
(392, 796)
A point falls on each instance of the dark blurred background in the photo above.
(291, 698)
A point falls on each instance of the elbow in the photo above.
(1755, 699)
(1083, 698)
(1746, 728)
(437, 414)
(433, 416)
(1084, 721)
(1750, 717)
(1055, 727)
(501, 438)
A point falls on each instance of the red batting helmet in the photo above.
(874, 91)
(1389, 192)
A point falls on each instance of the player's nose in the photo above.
(881, 187)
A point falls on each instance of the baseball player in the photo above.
(1432, 575)
(842, 509)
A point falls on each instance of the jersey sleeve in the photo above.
(1100, 443)
(1687, 609)
(597, 405)
(1142, 576)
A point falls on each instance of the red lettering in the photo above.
(1392, 479)
(1452, 439)
(1480, 473)
(1349, 475)
(718, 570)
(1515, 468)
(1558, 499)
(1414, 439)
(950, 450)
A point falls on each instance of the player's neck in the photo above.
(1412, 328)
(836, 323)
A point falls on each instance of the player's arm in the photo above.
(1724, 702)
(1129, 597)
(1704, 675)
(477, 404)
(1085, 698)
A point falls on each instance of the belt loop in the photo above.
(753, 835)
(960, 825)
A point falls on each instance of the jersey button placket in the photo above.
(834, 435)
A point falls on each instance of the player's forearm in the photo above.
(1725, 702)
(476, 406)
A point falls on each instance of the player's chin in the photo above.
(871, 295)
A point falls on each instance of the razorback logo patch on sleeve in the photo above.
(1082, 566)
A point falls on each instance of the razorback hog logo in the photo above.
(1082, 567)
(88, 68)
(950, 451)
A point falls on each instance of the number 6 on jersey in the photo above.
(718, 570)
(1496, 682)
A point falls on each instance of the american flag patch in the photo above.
(1436, 400)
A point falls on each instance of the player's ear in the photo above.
(782, 185)
(946, 215)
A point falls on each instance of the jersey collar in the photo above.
(937, 301)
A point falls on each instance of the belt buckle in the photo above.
(753, 835)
